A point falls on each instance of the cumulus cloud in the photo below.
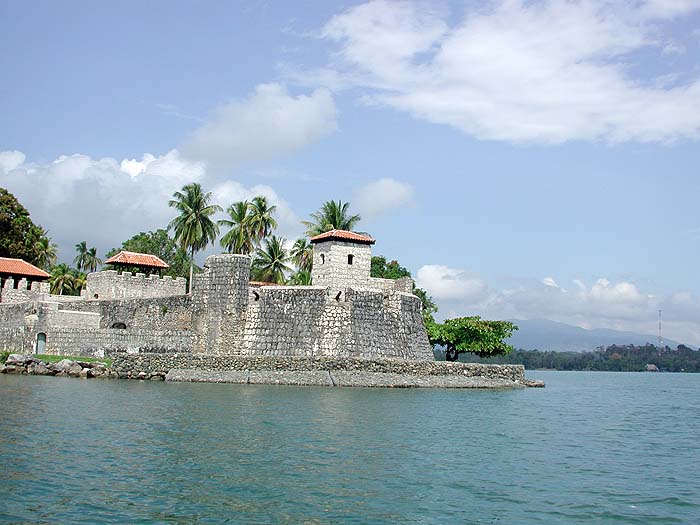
(619, 305)
(105, 201)
(381, 196)
(269, 123)
(543, 71)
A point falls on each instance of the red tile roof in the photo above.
(21, 268)
(137, 259)
(343, 235)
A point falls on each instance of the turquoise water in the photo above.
(589, 448)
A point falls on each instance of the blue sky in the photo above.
(522, 159)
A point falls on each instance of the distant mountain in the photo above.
(542, 334)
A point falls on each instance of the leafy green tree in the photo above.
(260, 221)
(332, 216)
(270, 261)
(393, 270)
(93, 261)
(239, 238)
(19, 236)
(302, 255)
(160, 244)
(194, 228)
(46, 253)
(471, 334)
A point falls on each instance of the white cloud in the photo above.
(381, 196)
(543, 71)
(269, 123)
(9, 160)
(447, 283)
(104, 201)
(618, 305)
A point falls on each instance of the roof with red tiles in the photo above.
(137, 259)
(343, 235)
(21, 268)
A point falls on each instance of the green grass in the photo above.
(46, 358)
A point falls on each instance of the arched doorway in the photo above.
(41, 343)
(119, 326)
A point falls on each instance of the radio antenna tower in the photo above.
(660, 340)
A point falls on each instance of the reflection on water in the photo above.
(616, 448)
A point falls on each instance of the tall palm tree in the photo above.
(302, 255)
(270, 261)
(301, 278)
(260, 219)
(46, 251)
(332, 216)
(238, 239)
(92, 260)
(194, 227)
(61, 279)
(79, 282)
(81, 259)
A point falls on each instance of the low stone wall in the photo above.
(109, 284)
(149, 363)
(105, 341)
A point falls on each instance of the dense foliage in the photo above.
(19, 237)
(472, 334)
(332, 216)
(393, 270)
(615, 358)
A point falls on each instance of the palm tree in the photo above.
(301, 277)
(194, 228)
(238, 239)
(61, 279)
(79, 282)
(302, 255)
(46, 251)
(81, 259)
(270, 262)
(332, 216)
(92, 260)
(260, 220)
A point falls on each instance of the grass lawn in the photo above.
(56, 358)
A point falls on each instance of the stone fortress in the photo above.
(345, 314)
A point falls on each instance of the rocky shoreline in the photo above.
(281, 371)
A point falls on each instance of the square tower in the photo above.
(342, 259)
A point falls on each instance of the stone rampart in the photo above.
(110, 284)
(133, 364)
(22, 291)
(404, 284)
(161, 313)
(106, 341)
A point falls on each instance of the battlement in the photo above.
(22, 290)
(110, 284)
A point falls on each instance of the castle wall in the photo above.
(404, 284)
(23, 291)
(219, 301)
(110, 284)
(161, 313)
(107, 341)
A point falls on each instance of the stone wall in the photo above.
(404, 284)
(105, 341)
(163, 363)
(219, 301)
(163, 313)
(22, 291)
(110, 284)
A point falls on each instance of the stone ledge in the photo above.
(336, 378)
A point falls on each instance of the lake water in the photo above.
(589, 448)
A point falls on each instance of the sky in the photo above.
(532, 159)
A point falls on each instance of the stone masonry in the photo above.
(345, 314)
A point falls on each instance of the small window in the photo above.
(350, 258)
(96, 296)
(323, 258)
(119, 326)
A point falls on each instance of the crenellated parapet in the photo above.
(110, 284)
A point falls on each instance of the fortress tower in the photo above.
(342, 259)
